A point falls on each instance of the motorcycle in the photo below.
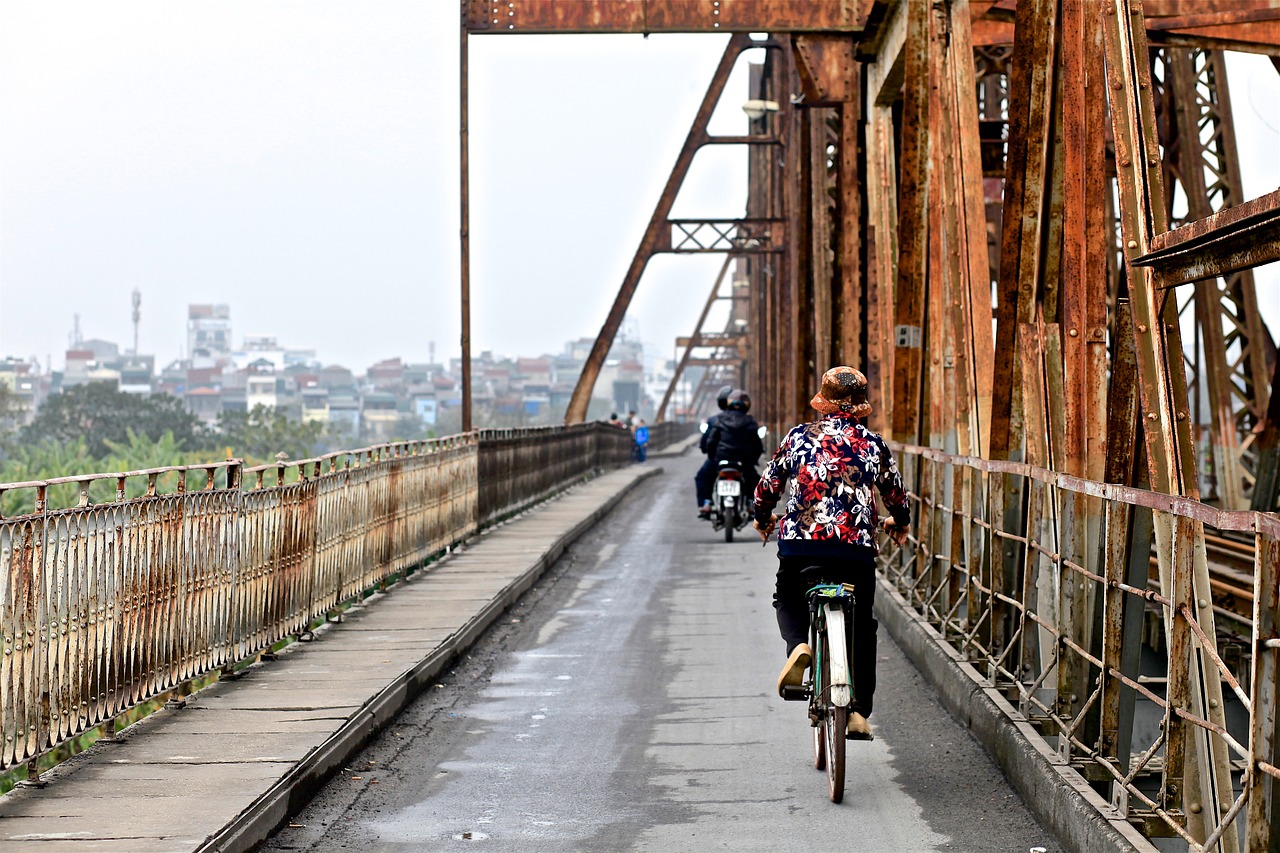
(729, 501)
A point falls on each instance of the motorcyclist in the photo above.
(707, 473)
(734, 438)
(832, 464)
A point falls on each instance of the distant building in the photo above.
(84, 367)
(136, 374)
(379, 415)
(315, 404)
(208, 331)
(204, 403)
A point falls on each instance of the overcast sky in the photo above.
(298, 160)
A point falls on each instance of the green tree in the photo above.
(262, 433)
(11, 408)
(101, 414)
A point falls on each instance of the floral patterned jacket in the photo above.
(831, 465)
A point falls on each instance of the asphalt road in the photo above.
(627, 704)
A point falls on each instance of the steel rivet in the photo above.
(1073, 333)
(1213, 703)
(1124, 161)
(1182, 416)
(1153, 162)
(1132, 244)
(1142, 327)
(1196, 808)
(1151, 417)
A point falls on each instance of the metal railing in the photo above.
(106, 606)
(1053, 606)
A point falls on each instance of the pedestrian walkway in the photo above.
(223, 771)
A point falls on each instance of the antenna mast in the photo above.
(137, 317)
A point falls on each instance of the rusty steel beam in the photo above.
(658, 226)
(714, 361)
(713, 339)
(1240, 237)
(500, 17)
(1244, 25)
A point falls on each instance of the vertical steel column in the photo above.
(1264, 738)
(882, 225)
(464, 228)
(974, 297)
(850, 314)
(913, 208)
(1083, 318)
(799, 280)
(1125, 559)
(821, 219)
(1026, 176)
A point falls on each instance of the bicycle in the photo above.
(829, 686)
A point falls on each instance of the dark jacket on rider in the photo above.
(733, 436)
(712, 423)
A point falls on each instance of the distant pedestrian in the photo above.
(641, 434)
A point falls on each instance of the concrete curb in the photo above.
(676, 448)
(288, 794)
(1078, 817)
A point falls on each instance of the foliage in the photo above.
(51, 460)
(98, 414)
(11, 408)
(262, 433)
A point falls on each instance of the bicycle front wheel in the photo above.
(834, 722)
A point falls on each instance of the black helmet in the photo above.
(722, 397)
(740, 400)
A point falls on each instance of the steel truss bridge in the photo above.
(1023, 219)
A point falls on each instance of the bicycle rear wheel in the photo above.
(834, 722)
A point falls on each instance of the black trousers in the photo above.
(793, 612)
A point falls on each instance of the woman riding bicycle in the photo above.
(830, 523)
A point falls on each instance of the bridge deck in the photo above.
(694, 652)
